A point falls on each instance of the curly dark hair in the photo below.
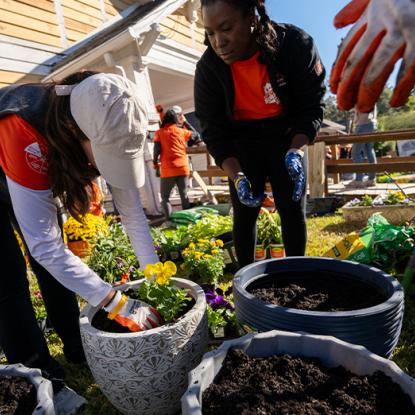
(265, 33)
(70, 172)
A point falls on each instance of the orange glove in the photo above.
(134, 314)
(384, 31)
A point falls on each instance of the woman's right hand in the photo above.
(134, 314)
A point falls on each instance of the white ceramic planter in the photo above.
(331, 351)
(146, 373)
(394, 214)
(43, 386)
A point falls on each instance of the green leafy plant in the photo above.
(113, 257)
(169, 242)
(204, 261)
(268, 228)
(395, 198)
(210, 226)
(159, 291)
(366, 201)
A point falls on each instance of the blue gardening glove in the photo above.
(244, 191)
(294, 164)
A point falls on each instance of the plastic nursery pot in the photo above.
(43, 386)
(377, 327)
(80, 248)
(332, 352)
(146, 372)
(277, 251)
(260, 253)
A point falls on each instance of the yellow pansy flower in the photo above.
(219, 243)
(161, 272)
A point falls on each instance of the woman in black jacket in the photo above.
(259, 91)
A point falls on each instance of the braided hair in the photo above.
(264, 32)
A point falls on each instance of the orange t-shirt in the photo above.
(254, 97)
(23, 153)
(173, 156)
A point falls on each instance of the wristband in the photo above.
(238, 177)
(115, 300)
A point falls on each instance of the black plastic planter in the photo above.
(377, 328)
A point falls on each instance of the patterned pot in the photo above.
(146, 373)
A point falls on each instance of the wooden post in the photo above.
(316, 169)
(335, 156)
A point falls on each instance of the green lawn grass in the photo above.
(323, 233)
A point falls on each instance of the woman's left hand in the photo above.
(294, 164)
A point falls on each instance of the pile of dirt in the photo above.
(301, 386)
(17, 396)
(316, 292)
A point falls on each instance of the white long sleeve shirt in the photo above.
(36, 214)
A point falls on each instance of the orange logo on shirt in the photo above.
(35, 159)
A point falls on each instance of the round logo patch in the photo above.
(35, 159)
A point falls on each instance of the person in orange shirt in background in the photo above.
(170, 146)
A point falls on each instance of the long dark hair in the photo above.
(170, 117)
(70, 172)
(264, 32)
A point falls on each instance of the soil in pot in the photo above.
(101, 322)
(17, 396)
(295, 385)
(319, 291)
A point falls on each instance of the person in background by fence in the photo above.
(170, 147)
(259, 91)
(364, 123)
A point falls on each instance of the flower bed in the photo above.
(394, 206)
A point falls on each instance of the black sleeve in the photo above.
(307, 87)
(210, 105)
(194, 139)
(157, 152)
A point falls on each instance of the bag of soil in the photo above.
(379, 243)
(185, 217)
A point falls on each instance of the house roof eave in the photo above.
(94, 47)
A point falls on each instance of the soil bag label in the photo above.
(355, 247)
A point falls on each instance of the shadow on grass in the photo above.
(341, 227)
(404, 354)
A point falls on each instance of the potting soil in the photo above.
(316, 292)
(293, 385)
(17, 396)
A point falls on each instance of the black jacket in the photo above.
(297, 78)
(28, 101)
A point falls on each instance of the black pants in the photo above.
(166, 186)
(262, 159)
(20, 337)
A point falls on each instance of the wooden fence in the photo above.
(319, 167)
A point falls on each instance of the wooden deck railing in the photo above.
(319, 167)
